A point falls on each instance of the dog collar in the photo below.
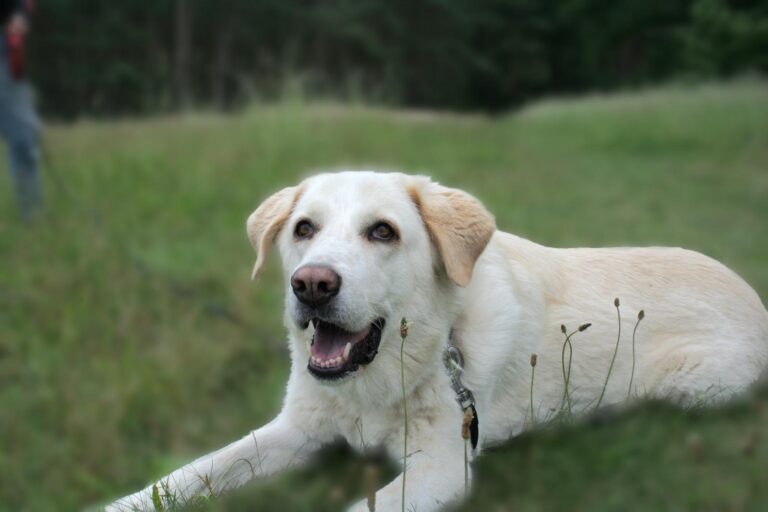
(454, 363)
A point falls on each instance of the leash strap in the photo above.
(454, 363)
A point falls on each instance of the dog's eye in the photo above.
(382, 232)
(304, 230)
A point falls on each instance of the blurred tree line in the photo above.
(133, 56)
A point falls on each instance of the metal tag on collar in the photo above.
(454, 363)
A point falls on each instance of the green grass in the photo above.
(131, 339)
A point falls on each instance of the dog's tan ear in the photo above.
(459, 225)
(265, 223)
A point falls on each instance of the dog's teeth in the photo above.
(347, 349)
(334, 361)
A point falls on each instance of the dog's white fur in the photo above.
(705, 333)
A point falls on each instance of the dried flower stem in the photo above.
(615, 351)
(466, 469)
(566, 375)
(371, 483)
(465, 434)
(533, 373)
(403, 335)
(640, 317)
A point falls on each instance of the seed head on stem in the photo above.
(466, 423)
(371, 483)
(403, 335)
(616, 304)
(640, 317)
(533, 373)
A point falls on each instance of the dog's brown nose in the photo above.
(314, 285)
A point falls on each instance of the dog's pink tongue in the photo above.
(329, 340)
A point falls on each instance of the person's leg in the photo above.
(21, 128)
(23, 165)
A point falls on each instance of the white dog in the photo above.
(361, 250)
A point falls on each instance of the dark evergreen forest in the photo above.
(135, 56)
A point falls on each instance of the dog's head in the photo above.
(360, 251)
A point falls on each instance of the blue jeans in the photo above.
(20, 127)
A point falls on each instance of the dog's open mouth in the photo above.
(334, 352)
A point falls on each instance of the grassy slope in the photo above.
(131, 338)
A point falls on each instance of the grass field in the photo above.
(132, 340)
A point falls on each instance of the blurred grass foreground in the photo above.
(132, 340)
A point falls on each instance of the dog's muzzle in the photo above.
(336, 353)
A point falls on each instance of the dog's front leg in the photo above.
(267, 450)
(435, 475)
